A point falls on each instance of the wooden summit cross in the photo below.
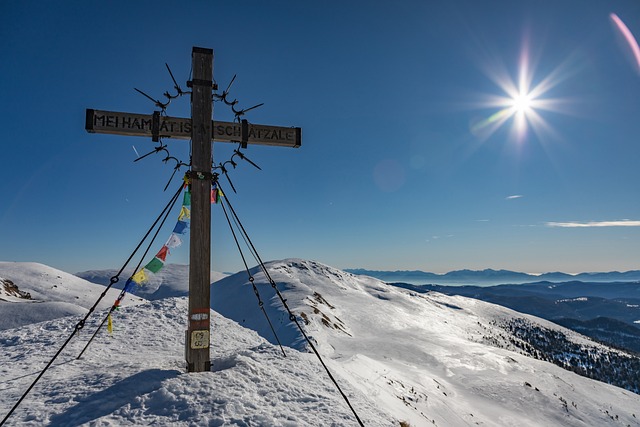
(201, 130)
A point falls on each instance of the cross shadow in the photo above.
(105, 402)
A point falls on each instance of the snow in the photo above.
(421, 355)
(398, 355)
(54, 294)
(136, 377)
(575, 300)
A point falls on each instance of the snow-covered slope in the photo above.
(136, 377)
(53, 293)
(171, 281)
(424, 359)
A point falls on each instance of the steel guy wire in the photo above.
(125, 288)
(292, 316)
(251, 279)
(81, 323)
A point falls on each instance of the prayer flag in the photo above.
(181, 227)
(154, 265)
(140, 277)
(187, 199)
(184, 213)
(216, 193)
(109, 324)
(174, 241)
(162, 255)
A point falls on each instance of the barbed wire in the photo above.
(223, 97)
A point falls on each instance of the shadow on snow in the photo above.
(107, 401)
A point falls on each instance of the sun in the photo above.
(521, 109)
(522, 101)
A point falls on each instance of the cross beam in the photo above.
(202, 131)
(133, 124)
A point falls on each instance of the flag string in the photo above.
(145, 275)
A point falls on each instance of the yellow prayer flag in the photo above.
(184, 213)
(140, 277)
(109, 324)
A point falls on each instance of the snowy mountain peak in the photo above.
(53, 293)
(305, 271)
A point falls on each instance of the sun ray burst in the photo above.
(522, 100)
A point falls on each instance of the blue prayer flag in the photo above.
(181, 227)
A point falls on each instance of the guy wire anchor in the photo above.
(178, 165)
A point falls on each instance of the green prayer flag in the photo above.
(155, 265)
(187, 199)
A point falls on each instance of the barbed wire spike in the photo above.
(161, 147)
(176, 86)
(156, 102)
(229, 86)
(242, 112)
(245, 158)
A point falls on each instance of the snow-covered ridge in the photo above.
(395, 336)
(426, 359)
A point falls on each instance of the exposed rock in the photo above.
(8, 288)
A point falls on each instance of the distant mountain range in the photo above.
(493, 277)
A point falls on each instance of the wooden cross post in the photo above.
(197, 339)
(202, 131)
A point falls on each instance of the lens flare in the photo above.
(628, 36)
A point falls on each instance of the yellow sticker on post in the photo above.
(199, 339)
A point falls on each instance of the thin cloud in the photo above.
(621, 223)
(515, 196)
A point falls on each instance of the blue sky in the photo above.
(400, 165)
